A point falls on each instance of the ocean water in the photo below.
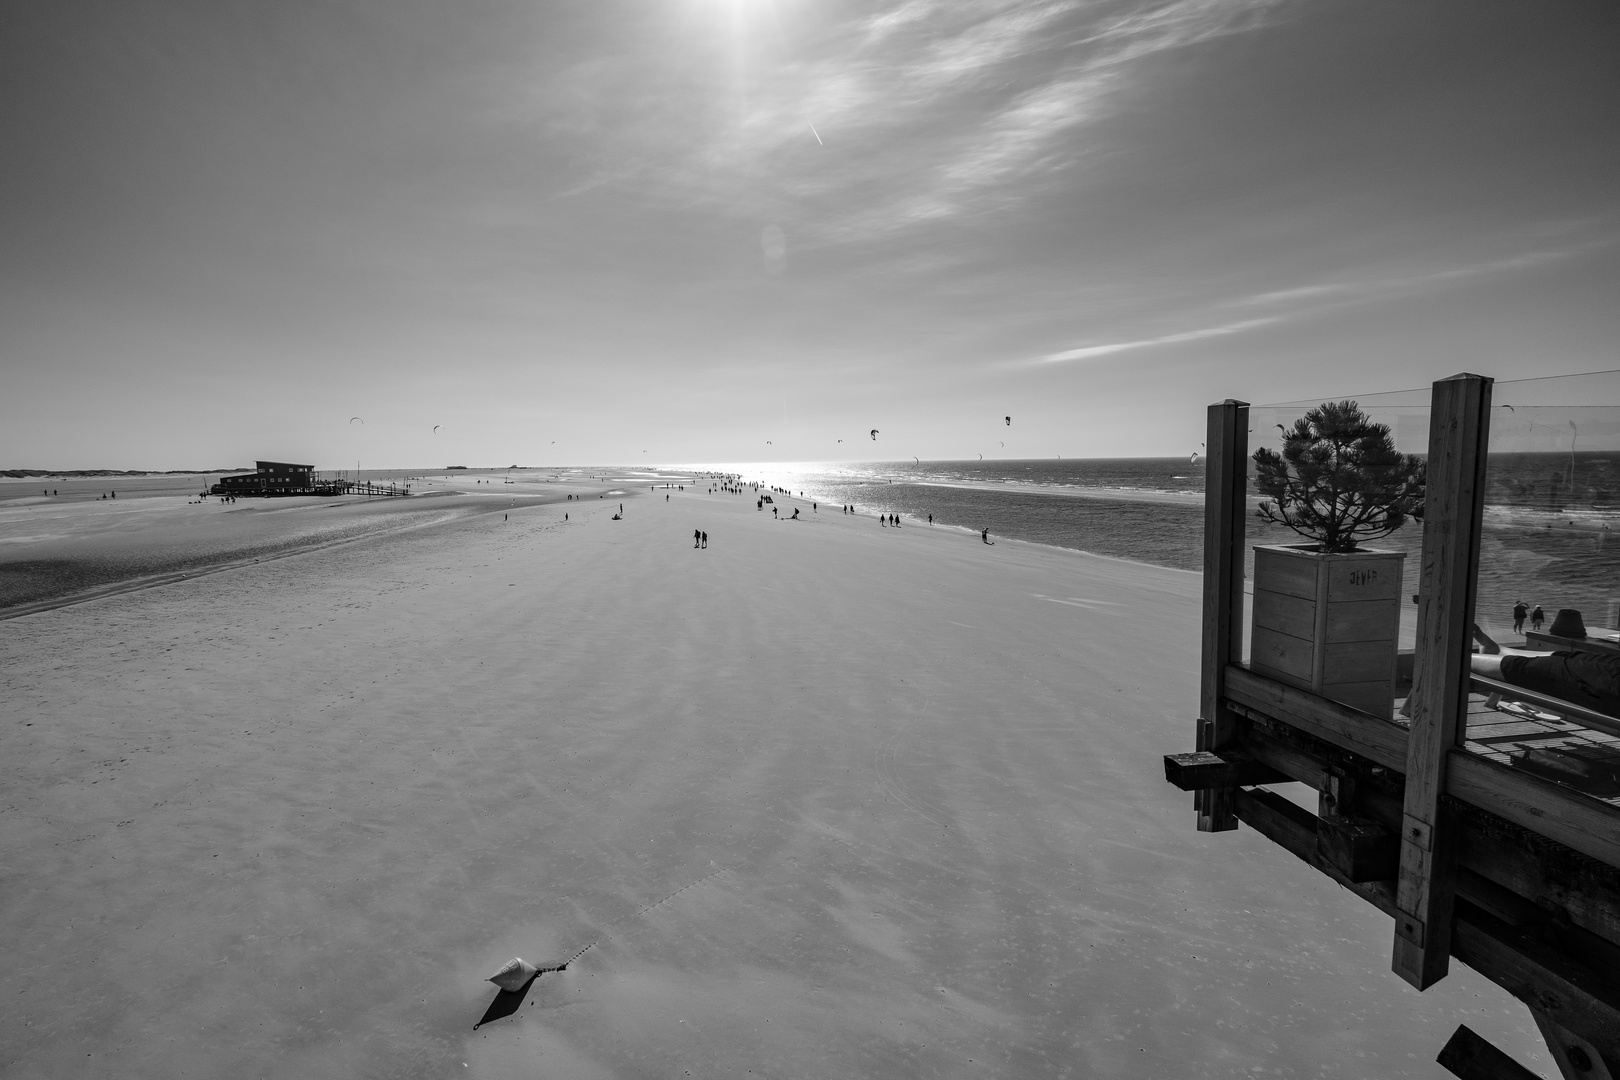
(1549, 521)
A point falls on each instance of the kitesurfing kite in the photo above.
(436, 428)
(1009, 421)
(917, 459)
(352, 419)
(874, 434)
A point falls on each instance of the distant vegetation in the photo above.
(23, 474)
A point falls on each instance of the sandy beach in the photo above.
(825, 799)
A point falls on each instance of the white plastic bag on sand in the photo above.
(514, 974)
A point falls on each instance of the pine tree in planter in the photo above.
(1327, 614)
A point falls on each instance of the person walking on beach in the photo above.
(696, 536)
(985, 536)
(705, 539)
(1537, 618)
(773, 512)
(1520, 610)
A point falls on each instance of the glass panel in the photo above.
(1548, 550)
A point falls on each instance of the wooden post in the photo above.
(1459, 425)
(1226, 471)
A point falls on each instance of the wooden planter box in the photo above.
(1329, 623)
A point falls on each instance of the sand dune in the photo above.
(831, 800)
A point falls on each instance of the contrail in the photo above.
(817, 134)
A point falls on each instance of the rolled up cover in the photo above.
(514, 974)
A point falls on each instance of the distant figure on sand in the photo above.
(1536, 619)
(773, 512)
(985, 536)
(795, 514)
(705, 539)
(1520, 610)
(697, 535)
(883, 520)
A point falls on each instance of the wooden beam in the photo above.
(1459, 423)
(1203, 769)
(1542, 976)
(1469, 1057)
(1293, 828)
(1515, 958)
(1359, 849)
(1381, 741)
(1589, 826)
(1226, 471)
(1577, 1058)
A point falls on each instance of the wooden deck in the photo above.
(1547, 746)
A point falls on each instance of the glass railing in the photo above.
(1549, 583)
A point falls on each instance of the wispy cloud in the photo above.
(1372, 287)
(1089, 352)
(923, 111)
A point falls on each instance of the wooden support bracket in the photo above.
(1359, 849)
(1204, 770)
(1469, 1057)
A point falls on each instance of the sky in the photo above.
(664, 231)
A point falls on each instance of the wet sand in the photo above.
(830, 799)
(60, 548)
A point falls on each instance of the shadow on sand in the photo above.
(505, 1004)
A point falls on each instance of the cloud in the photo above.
(1089, 352)
(925, 111)
(1379, 286)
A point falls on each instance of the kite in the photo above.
(917, 459)
(352, 419)
(1009, 421)
(874, 434)
(1194, 458)
(436, 428)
